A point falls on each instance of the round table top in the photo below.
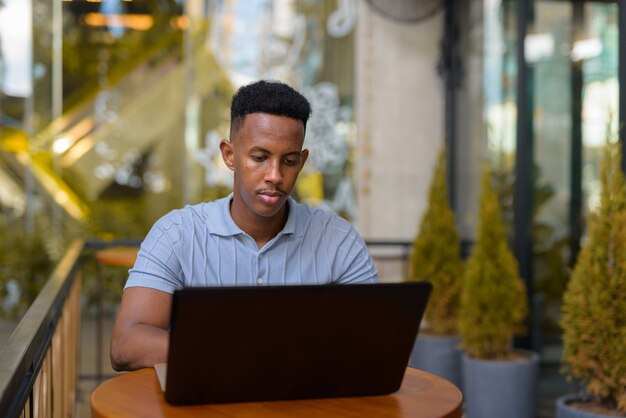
(422, 395)
(118, 256)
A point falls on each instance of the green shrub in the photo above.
(436, 256)
(493, 302)
(594, 304)
(25, 261)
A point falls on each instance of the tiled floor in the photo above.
(88, 380)
(551, 383)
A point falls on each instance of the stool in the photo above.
(113, 256)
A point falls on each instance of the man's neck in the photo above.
(261, 229)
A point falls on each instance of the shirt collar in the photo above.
(224, 225)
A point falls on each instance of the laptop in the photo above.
(245, 344)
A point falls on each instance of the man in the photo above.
(257, 236)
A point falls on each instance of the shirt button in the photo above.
(259, 281)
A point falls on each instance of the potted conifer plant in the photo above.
(498, 381)
(436, 257)
(594, 305)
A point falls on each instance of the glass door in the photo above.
(570, 68)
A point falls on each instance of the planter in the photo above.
(497, 389)
(438, 355)
(563, 410)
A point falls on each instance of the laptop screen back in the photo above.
(238, 344)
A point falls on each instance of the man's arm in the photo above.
(140, 334)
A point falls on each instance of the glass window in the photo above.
(558, 47)
(112, 111)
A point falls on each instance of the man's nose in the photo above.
(274, 173)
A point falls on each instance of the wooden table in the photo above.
(117, 256)
(422, 395)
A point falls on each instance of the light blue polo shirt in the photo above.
(200, 245)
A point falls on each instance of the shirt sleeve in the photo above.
(352, 262)
(158, 265)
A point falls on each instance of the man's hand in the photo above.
(140, 334)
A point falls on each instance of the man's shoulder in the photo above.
(194, 213)
(320, 217)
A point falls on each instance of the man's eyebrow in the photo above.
(261, 149)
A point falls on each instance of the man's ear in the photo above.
(303, 157)
(226, 147)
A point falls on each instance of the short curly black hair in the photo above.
(267, 96)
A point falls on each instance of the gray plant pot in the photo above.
(563, 410)
(497, 389)
(438, 355)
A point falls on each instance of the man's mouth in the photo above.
(270, 197)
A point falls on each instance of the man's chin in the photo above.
(269, 209)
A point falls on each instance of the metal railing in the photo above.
(391, 258)
(39, 362)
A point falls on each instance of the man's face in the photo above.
(266, 156)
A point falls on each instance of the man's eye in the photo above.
(291, 161)
(258, 158)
